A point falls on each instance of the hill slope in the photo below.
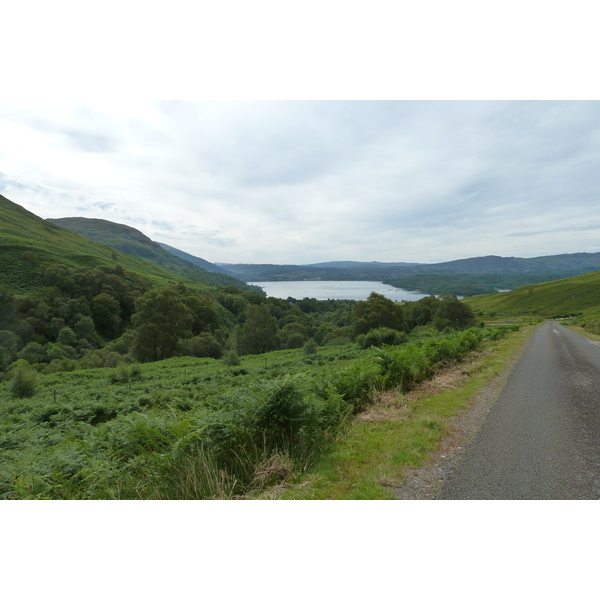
(28, 242)
(199, 262)
(133, 242)
(565, 296)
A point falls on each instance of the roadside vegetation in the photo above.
(399, 431)
(197, 428)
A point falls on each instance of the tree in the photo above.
(33, 352)
(231, 358)
(106, 313)
(422, 311)
(259, 332)
(85, 329)
(9, 344)
(452, 313)
(67, 337)
(377, 311)
(293, 335)
(7, 306)
(383, 336)
(203, 346)
(24, 382)
(205, 316)
(160, 320)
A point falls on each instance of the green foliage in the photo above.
(310, 348)
(125, 374)
(106, 314)
(453, 314)
(66, 337)
(202, 346)
(377, 311)
(160, 320)
(382, 336)
(33, 352)
(259, 333)
(231, 358)
(24, 382)
(192, 428)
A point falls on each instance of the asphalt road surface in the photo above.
(541, 439)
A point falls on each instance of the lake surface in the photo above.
(334, 290)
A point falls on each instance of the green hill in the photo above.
(28, 242)
(575, 295)
(133, 242)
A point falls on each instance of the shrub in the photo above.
(282, 414)
(202, 346)
(383, 336)
(231, 358)
(24, 383)
(310, 348)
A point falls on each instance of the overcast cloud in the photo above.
(303, 182)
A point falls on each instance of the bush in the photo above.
(231, 358)
(383, 336)
(310, 348)
(281, 416)
(24, 383)
(202, 346)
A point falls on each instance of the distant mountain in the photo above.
(477, 275)
(342, 264)
(133, 242)
(199, 262)
(283, 272)
(582, 262)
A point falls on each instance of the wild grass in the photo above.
(398, 431)
(193, 428)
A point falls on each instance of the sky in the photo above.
(300, 182)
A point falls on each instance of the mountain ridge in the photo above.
(130, 240)
(29, 243)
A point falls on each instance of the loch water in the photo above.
(335, 290)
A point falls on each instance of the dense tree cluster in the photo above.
(90, 317)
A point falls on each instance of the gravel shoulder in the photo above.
(425, 482)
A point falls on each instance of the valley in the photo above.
(129, 369)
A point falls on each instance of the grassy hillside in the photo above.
(580, 294)
(133, 242)
(28, 242)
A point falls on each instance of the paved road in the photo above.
(541, 439)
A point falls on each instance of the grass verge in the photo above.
(399, 431)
